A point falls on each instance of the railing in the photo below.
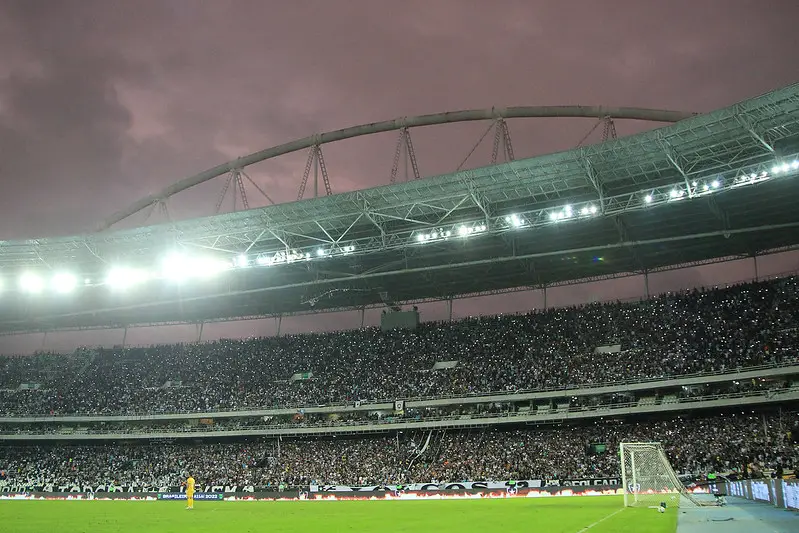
(418, 401)
(450, 421)
(781, 493)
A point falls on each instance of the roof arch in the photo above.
(494, 113)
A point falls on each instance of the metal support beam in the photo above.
(593, 179)
(235, 180)
(674, 159)
(746, 122)
(719, 212)
(393, 125)
(482, 203)
(223, 193)
(240, 184)
(502, 142)
(316, 161)
(624, 237)
(425, 269)
(609, 131)
(405, 152)
(257, 187)
(389, 302)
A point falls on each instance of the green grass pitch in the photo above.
(550, 515)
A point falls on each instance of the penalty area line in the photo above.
(611, 515)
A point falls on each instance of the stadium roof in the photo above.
(713, 186)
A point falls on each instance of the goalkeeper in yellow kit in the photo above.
(190, 493)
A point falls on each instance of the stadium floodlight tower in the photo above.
(648, 478)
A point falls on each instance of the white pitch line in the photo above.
(589, 526)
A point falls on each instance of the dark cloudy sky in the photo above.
(105, 101)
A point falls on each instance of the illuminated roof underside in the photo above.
(713, 186)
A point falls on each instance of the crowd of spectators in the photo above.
(698, 331)
(346, 419)
(752, 442)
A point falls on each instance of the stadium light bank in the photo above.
(178, 267)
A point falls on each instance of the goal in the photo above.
(648, 478)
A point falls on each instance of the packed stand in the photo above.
(744, 443)
(257, 425)
(699, 331)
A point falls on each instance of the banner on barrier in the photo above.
(8, 487)
(197, 496)
(473, 485)
(51, 487)
(790, 492)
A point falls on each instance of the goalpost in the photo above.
(648, 478)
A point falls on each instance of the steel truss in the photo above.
(690, 163)
(315, 141)
(614, 177)
(427, 300)
(143, 307)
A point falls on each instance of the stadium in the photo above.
(574, 419)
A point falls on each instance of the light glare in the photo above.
(120, 278)
(31, 283)
(64, 282)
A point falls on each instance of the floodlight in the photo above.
(175, 267)
(64, 282)
(120, 278)
(178, 267)
(795, 164)
(241, 261)
(592, 209)
(320, 252)
(648, 198)
(715, 184)
(206, 267)
(31, 283)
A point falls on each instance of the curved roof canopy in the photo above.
(630, 113)
(713, 186)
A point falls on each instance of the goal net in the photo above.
(648, 478)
